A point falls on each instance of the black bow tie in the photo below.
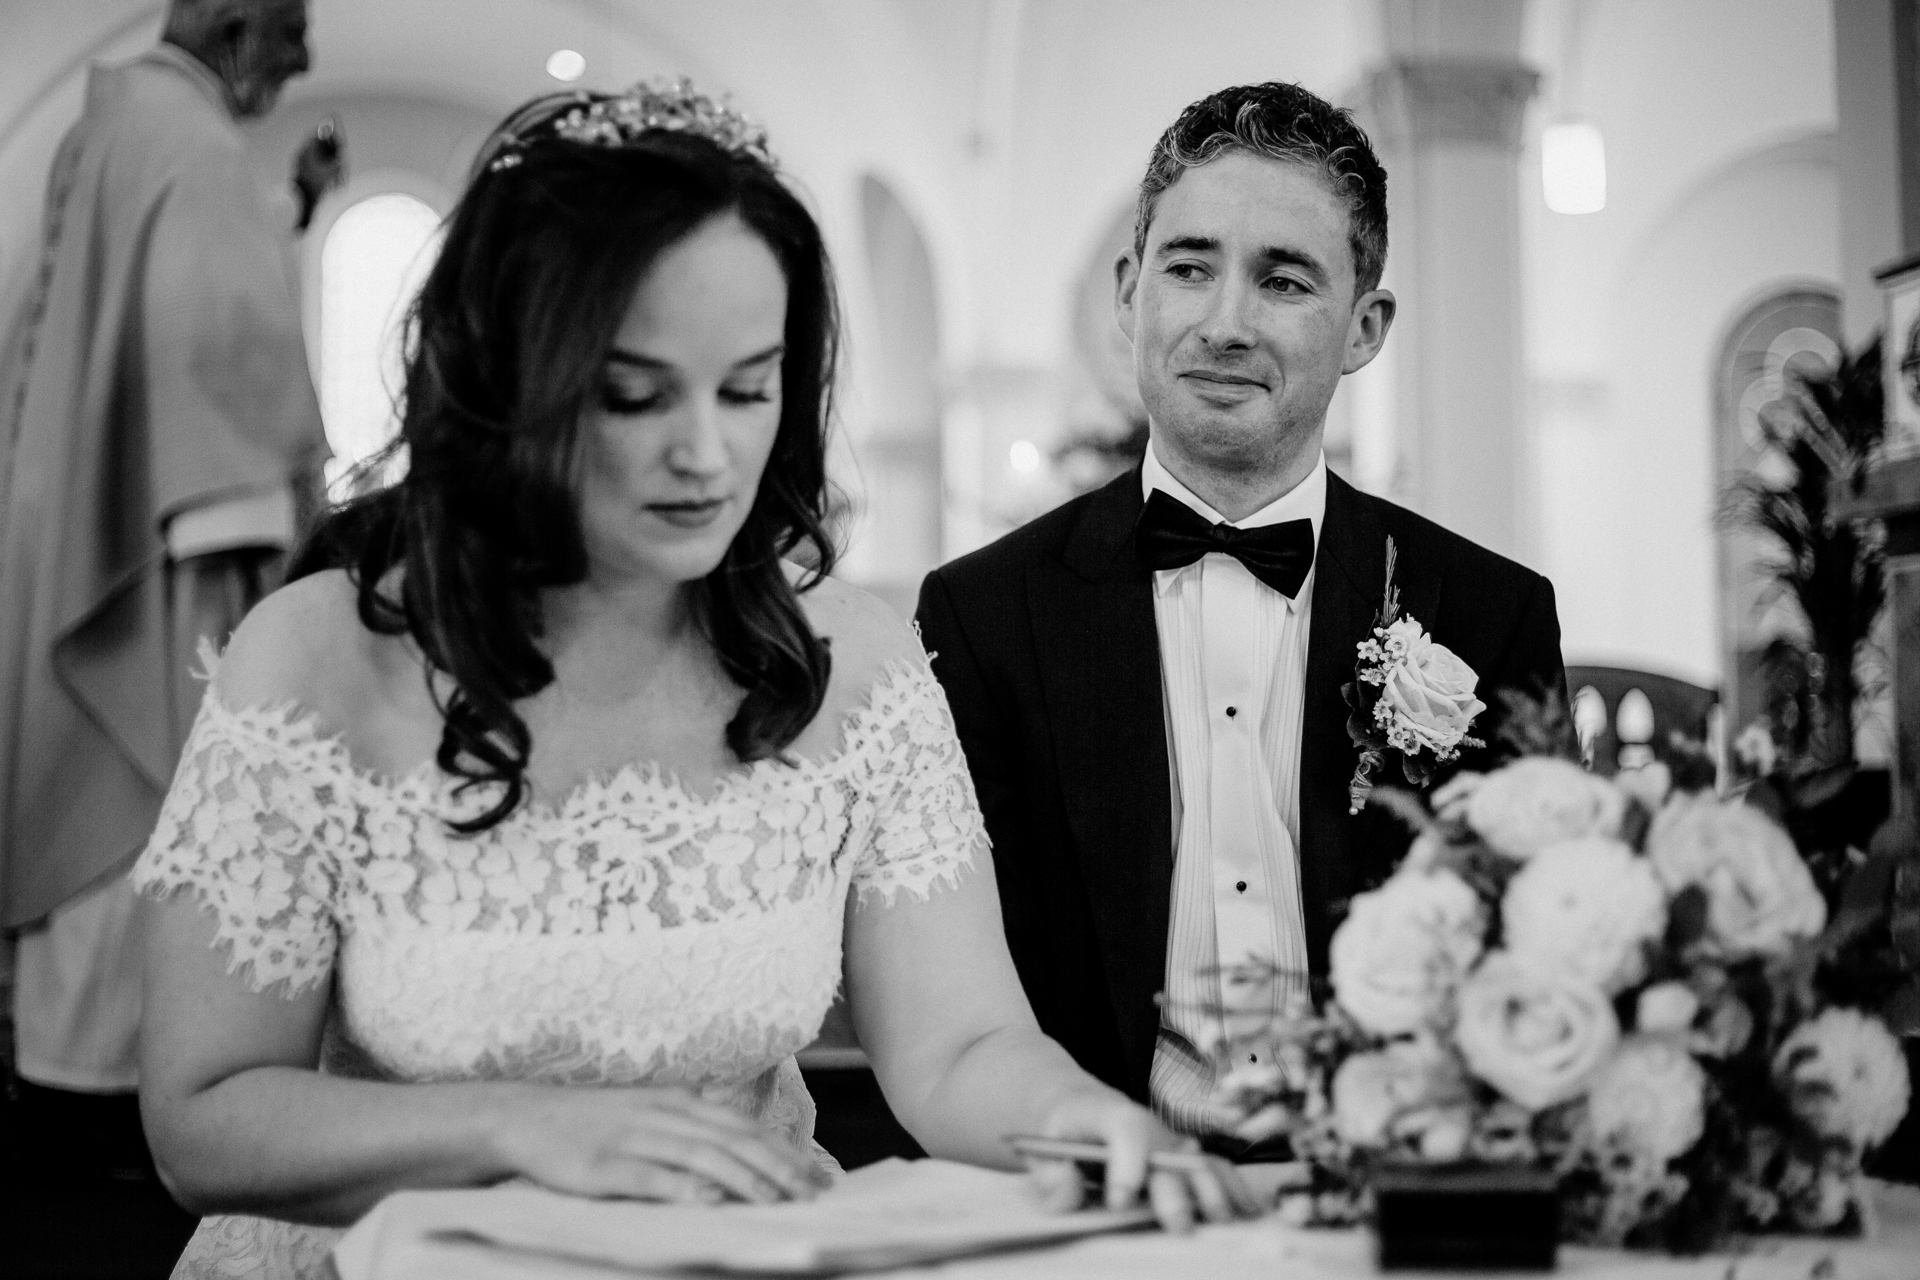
(1172, 535)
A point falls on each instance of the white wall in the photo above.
(1626, 458)
(1720, 187)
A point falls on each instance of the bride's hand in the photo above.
(1213, 1188)
(648, 1144)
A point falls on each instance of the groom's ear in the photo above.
(1126, 279)
(1367, 329)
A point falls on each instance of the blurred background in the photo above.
(1615, 224)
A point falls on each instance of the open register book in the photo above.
(893, 1214)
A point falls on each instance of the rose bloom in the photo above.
(1429, 688)
(1760, 897)
(1533, 1033)
(1586, 908)
(1649, 1098)
(1402, 949)
(1389, 1092)
(1650, 784)
(1665, 1007)
(1537, 802)
(1843, 1073)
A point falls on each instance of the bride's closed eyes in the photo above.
(754, 380)
(625, 402)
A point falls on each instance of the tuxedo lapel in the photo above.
(1349, 580)
(1099, 654)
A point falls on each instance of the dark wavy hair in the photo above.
(506, 349)
(1282, 122)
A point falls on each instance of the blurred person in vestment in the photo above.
(158, 426)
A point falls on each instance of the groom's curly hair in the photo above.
(1282, 122)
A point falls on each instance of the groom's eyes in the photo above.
(1186, 270)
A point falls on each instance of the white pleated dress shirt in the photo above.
(1233, 662)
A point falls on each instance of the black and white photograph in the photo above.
(994, 639)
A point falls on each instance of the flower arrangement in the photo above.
(1617, 983)
(1410, 697)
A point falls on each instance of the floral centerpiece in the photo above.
(1614, 982)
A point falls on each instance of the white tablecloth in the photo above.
(393, 1242)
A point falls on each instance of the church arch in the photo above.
(374, 254)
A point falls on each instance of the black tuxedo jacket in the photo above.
(1046, 644)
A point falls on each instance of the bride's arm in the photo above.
(933, 991)
(240, 938)
(955, 1047)
(241, 1122)
(942, 1015)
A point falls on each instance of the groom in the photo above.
(1147, 680)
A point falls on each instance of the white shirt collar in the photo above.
(1305, 501)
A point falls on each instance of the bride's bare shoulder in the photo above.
(866, 633)
(305, 643)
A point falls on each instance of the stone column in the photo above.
(1876, 50)
(1447, 111)
(1877, 74)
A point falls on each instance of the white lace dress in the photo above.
(633, 933)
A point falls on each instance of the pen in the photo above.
(1096, 1153)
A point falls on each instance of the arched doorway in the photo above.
(1794, 330)
(376, 255)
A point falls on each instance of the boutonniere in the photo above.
(1410, 697)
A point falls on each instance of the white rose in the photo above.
(1665, 1007)
(1843, 1073)
(1649, 1098)
(1534, 1034)
(1650, 784)
(1402, 949)
(1754, 748)
(1587, 907)
(1429, 689)
(1538, 801)
(1760, 897)
(1388, 1093)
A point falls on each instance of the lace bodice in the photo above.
(631, 932)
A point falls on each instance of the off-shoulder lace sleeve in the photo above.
(253, 827)
(928, 829)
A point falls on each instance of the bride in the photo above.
(530, 832)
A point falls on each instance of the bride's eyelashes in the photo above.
(615, 400)
(619, 403)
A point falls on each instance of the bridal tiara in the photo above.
(650, 106)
